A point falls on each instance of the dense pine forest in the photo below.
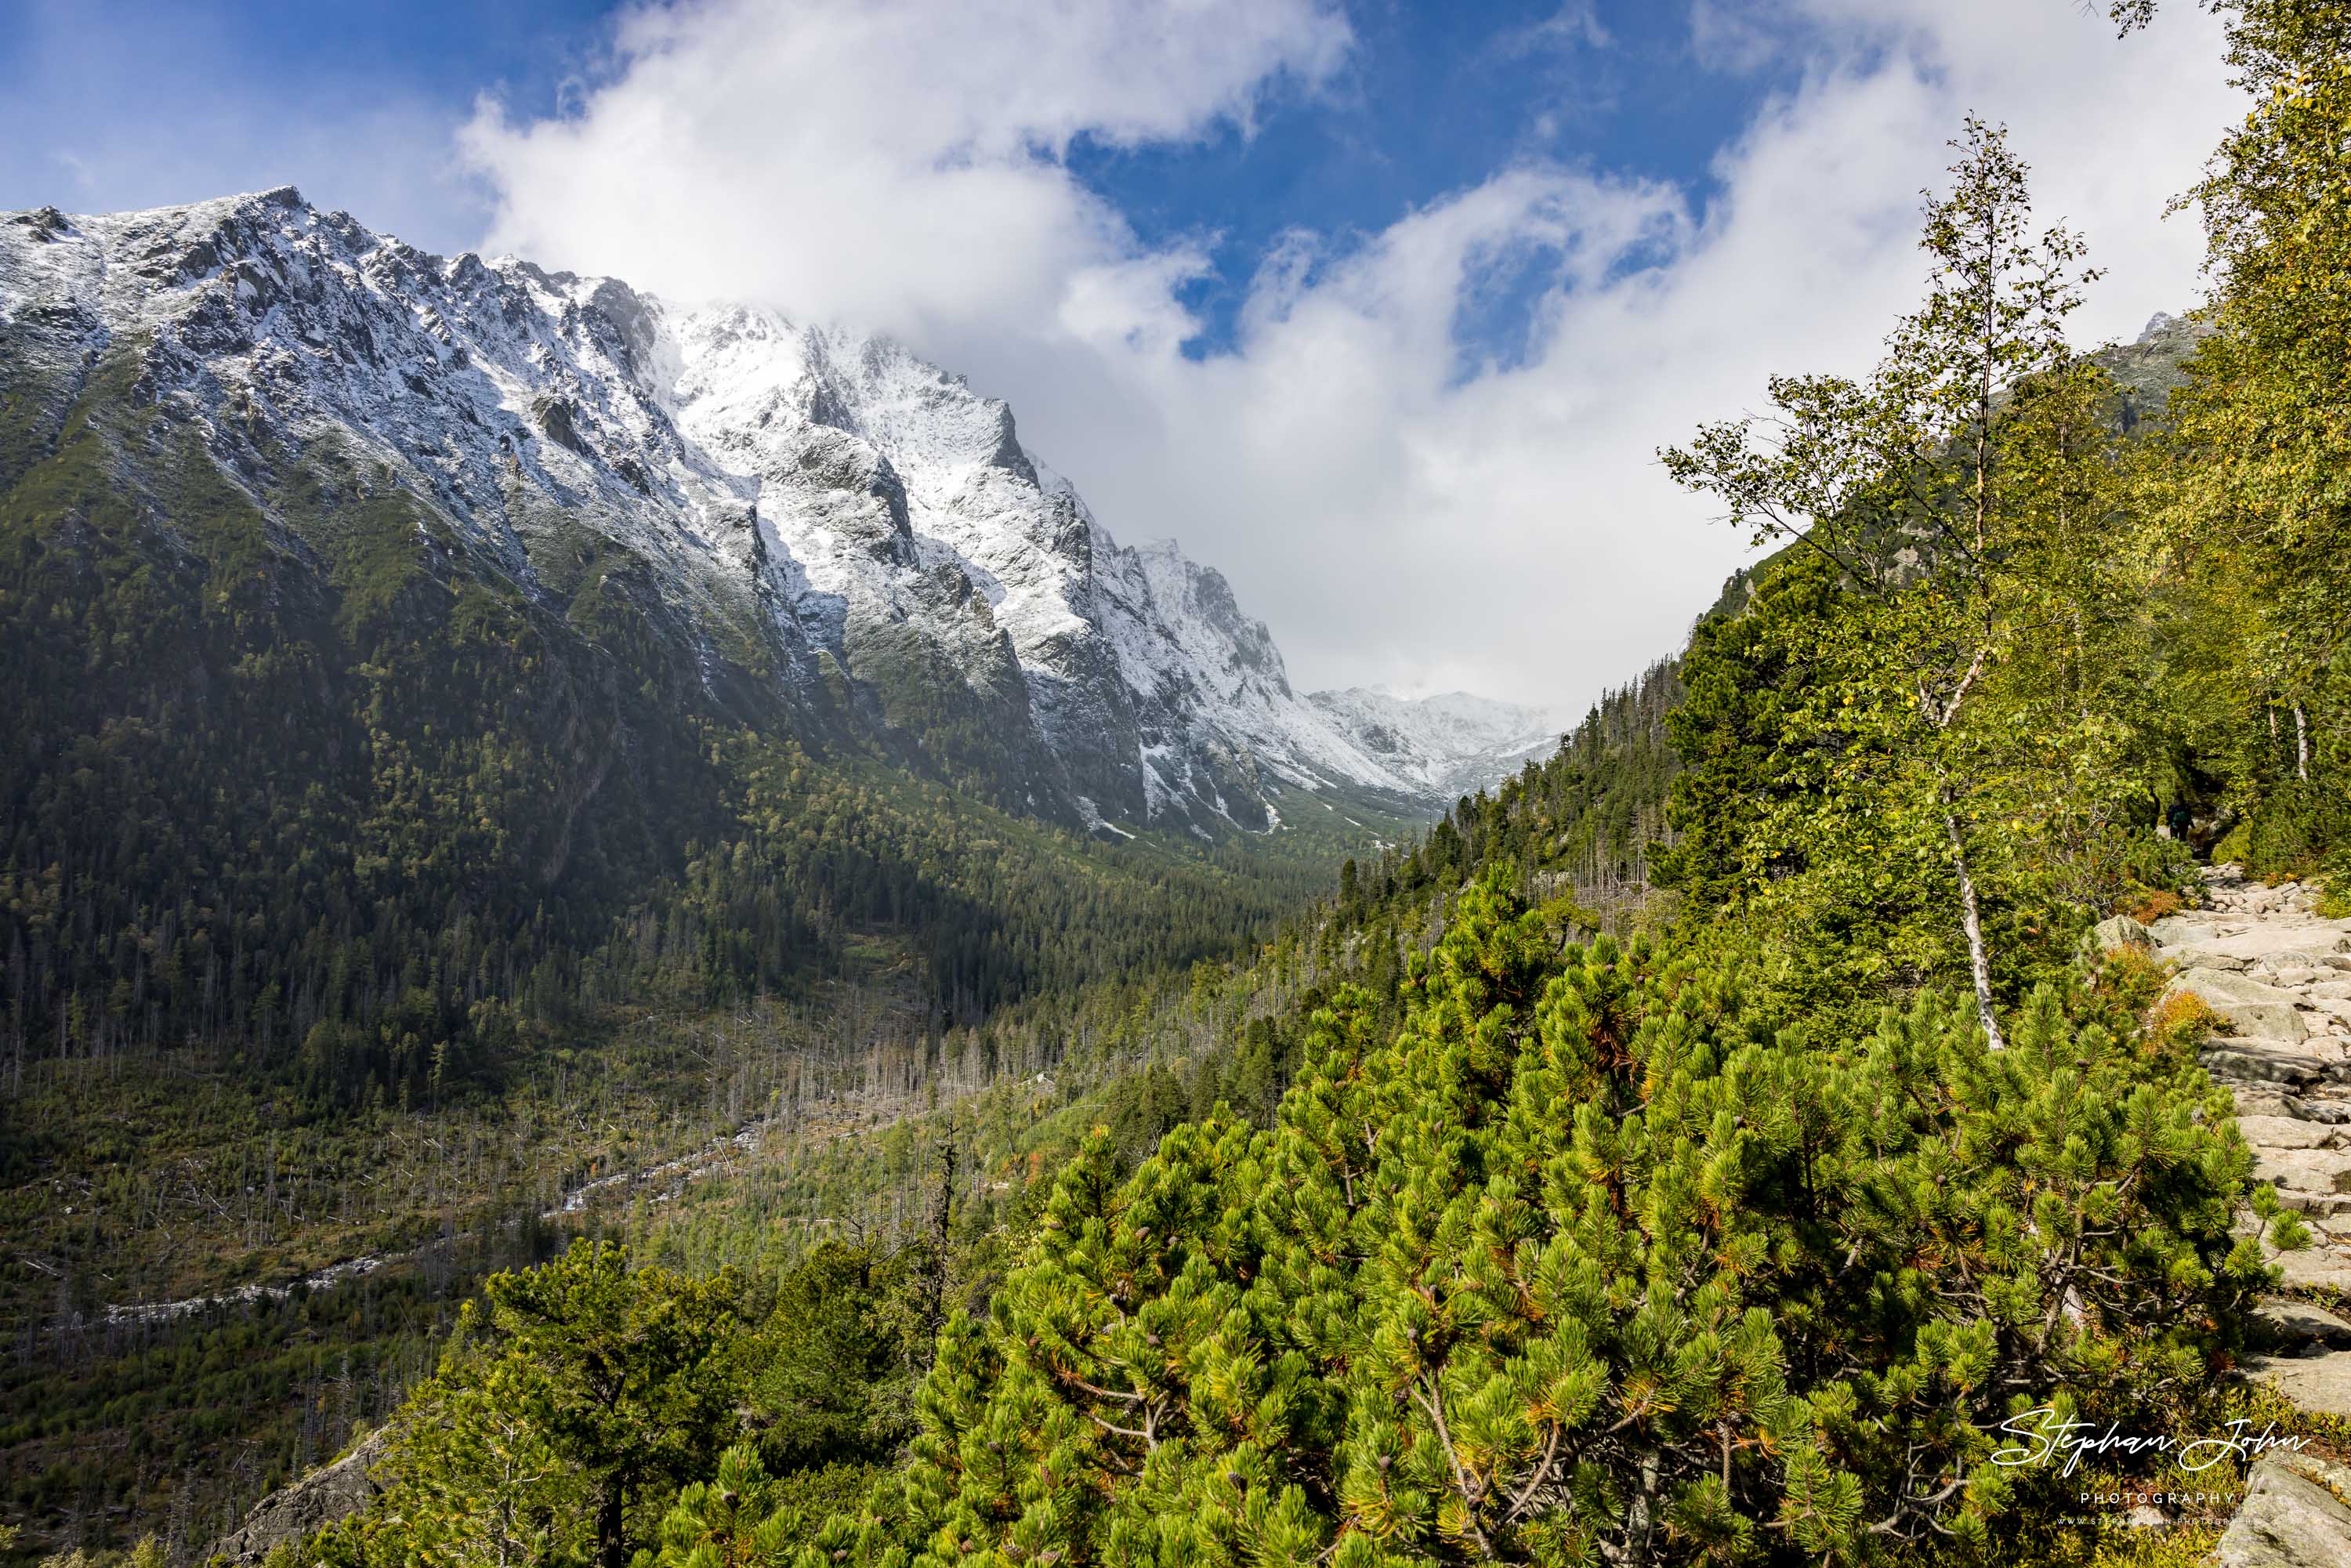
(1696, 1149)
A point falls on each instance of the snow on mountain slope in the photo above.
(816, 504)
(1448, 745)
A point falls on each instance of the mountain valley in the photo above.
(629, 938)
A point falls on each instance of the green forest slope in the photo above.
(1696, 1150)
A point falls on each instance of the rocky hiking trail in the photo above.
(2278, 975)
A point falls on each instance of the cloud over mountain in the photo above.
(1419, 434)
(1359, 456)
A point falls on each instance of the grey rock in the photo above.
(2287, 1132)
(2294, 1515)
(2120, 931)
(2269, 936)
(2179, 930)
(2301, 1328)
(2262, 1061)
(560, 418)
(2253, 1007)
(2313, 1269)
(2268, 1020)
(2226, 989)
(2272, 1099)
(331, 1492)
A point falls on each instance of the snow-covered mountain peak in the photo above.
(1450, 743)
(820, 492)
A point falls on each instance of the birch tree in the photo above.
(1900, 482)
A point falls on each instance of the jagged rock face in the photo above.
(823, 513)
(303, 1507)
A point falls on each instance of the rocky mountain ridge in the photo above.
(842, 531)
(1450, 744)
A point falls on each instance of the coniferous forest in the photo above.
(1705, 1146)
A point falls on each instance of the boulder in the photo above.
(2294, 1515)
(2121, 931)
(2255, 1008)
(2227, 989)
(2264, 1100)
(2179, 930)
(2272, 1100)
(2271, 1021)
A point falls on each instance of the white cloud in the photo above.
(895, 162)
(1395, 514)
(1575, 25)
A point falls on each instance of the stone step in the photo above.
(2326, 1172)
(2314, 1267)
(2293, 1132)
(2270, 1099)
(2204, 958)
(2289, 1063)
(2315, 1205)
(2268, 1020)
(2266, 939)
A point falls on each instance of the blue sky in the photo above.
(1381, 308)
(106, 104)
(1435, 97)
(120, 105)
